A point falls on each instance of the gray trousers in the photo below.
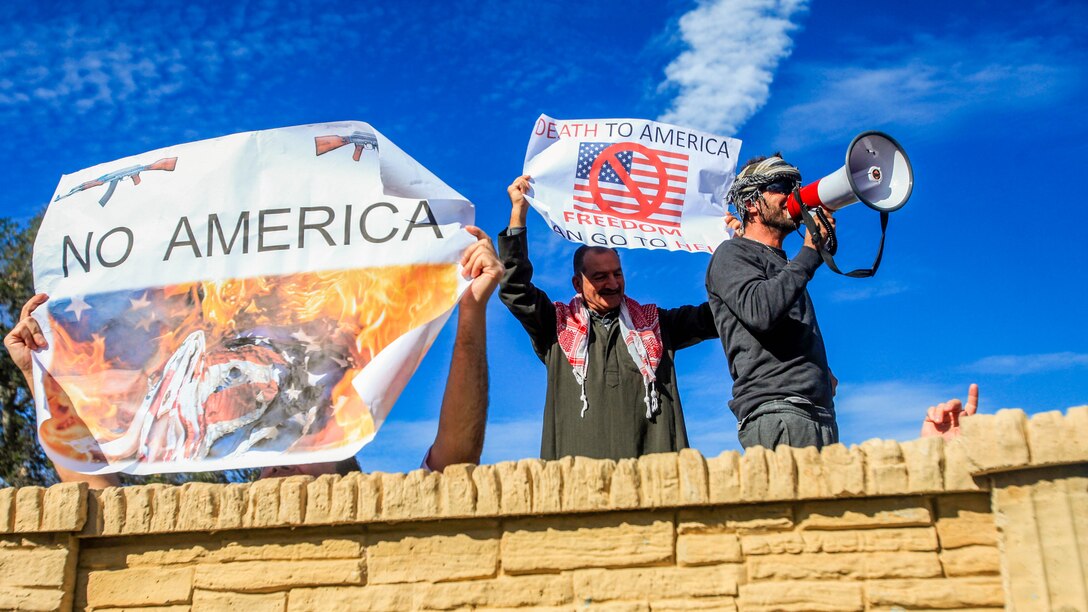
(793, 421)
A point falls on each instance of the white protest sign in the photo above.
(631, 182)
(252, 300)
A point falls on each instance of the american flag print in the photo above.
(631, 181)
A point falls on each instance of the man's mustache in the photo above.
(610, 292)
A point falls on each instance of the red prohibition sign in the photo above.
(646, 206)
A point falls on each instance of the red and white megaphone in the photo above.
(876, 172)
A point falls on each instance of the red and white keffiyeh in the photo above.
(641, 331)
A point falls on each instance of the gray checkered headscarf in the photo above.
(754, 177)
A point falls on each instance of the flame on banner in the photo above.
(212, 369)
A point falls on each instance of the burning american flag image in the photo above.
(211, 370)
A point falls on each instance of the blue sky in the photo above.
(986, 97)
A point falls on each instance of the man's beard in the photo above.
(777, 219)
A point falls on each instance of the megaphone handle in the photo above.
(830, 243)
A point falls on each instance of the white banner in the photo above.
(253, 300)
(631, 183)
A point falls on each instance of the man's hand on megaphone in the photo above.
(809, 241)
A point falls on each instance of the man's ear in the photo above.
(576, 280)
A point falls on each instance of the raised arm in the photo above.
(461, 422)
(740, 280)
(21, 342)
(689, 325)
(532, 307)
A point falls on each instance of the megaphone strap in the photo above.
(828, 257)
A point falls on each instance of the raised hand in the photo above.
(482, 265)
(944, 418)
(26, 337)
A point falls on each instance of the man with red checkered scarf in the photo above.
(612, 389)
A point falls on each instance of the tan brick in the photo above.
(610, 540)
(971, 561)
(589, 484)
(924, 458)
(723, 477)
(874, 540)
(625, 489)
(270, 576)
(95, 521)
(263, 503)
(20, 598)
(139, 587)
(708, 548)
(693, 477)
(504, 592)
(784, 542)
(810, 473)
(885, 470)
(165, 505)
(796, 596)
(782, 475)
(865, 513)
(111, 504)
(370, 496)
(457, 491)
(835, 566)
(33, 567)
(461, 551)
(710, 604)
(958, 468)
(293, 499)
(199, 509)
(1055, 439)
(1041, 515)
(996, 442)
(229, 602)
(145, 551)
(319, 498)
(345, 498)
(516, 488)
(284, 547)
(946, 594)
(653, 583)
(659, 475)
(371, 598)
(64, 507)
(232, 505)
(754, 474)
(743, 519)
(965, 520)
(139, 507)
(548, 480)
(7, 510)
(918, 539)
(844, 469)
(489, 491)
(28, 509)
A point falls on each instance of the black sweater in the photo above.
(767, 324)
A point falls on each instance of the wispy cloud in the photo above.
(891, 410)
(868, 291)
(1012, 365)
(734, 48)
(926, 84)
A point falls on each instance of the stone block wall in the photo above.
(996, 519)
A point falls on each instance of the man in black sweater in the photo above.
(782, 385)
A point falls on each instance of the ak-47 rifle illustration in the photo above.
(133, 172)
(361, 140)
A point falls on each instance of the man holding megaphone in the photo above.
(782, 385)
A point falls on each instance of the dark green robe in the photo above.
(615, 425)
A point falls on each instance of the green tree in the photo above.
(22, 460)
